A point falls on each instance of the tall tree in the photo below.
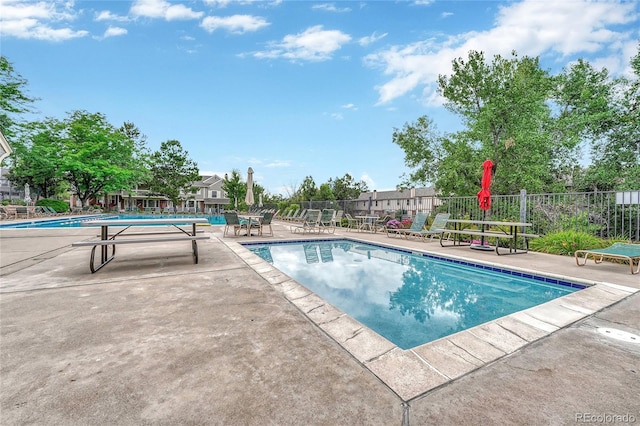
(95, 156)
(37, 162)
(173, 172)
(14, 99)
(324, 193)
(235, 189)
(530, 123)
(504, 107)
(307, 190)
(615, 145)
(346, 187)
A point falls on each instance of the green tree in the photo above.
(615, 147)
(424, 152)
(14, 99)
(504, 107)
(235, 189)
(529, 123)
(173, 172)
(346, 187)
(37, 162)
(325, 193)
(95, 156)
(307, 190)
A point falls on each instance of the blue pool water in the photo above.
(410, 299)
(76, 221)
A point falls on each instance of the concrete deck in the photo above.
(154, 339)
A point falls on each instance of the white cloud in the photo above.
(42, 20)
(350, 106)
(371, 184)
(314, 44)
(115, 32)
(330, 7)
(529, 27)
(277, 163)
(237, 24)
(365, 41)
(164, 10)
(107, 15)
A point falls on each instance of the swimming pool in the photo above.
(408, 298)
(76, 221)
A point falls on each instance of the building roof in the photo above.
(395, 195)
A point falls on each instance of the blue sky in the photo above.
(289, 88)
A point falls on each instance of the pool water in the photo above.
(410, 299)
(76, 221)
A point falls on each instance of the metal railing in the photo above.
(605, 214)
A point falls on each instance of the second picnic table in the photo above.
(489, 229)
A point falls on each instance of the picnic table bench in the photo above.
(106, 240)
(502, 230)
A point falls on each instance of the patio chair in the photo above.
(381, 224)
(617, 251)
(417, 226)
(310, 222)
(22, 211)
(351, 221)
(232, 221)
(368, 223)
(265, 221)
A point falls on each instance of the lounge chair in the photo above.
(337, 218)
(617, 251)
(232, 221)
(310, 222)
(326, 220)
(438, 226)
(416, 228)
(300, 216)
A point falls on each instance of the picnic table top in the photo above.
(159, 221)
(489, 222)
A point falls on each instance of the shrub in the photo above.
(567, 242)
(58, 205)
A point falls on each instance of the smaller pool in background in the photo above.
(408, 298)
(76, 221)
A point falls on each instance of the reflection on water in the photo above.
(408, 299)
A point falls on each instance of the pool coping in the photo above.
(412, 373)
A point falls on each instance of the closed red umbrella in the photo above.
(484, 199)
(484, 196)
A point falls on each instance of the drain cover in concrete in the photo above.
(619, 334)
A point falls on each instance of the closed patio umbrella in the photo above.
(484, 198)
(484, 195)
(249, 197)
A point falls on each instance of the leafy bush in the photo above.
(567, 242)
(57, 205)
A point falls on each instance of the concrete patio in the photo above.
(154, 339)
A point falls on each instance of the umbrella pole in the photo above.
(484, 214)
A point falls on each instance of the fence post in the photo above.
(523, 205)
